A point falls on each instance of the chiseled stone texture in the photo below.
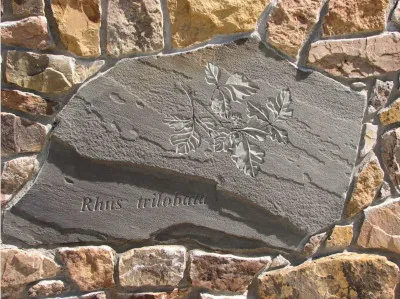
(379, 95)
(194, 21)
(391, 115)
(341, 236)
(368, 180)
(28, 7)
(291, 23)
(15, 173)
(134, 27)
(79, 25)
(357, 58)
(152, 266)
(210, 296)
(28, 33)
(391, 154)
(26, 102)
(46, 288)
(20, 267)
(355, 16)
(348, 275)
(90, 267)
(314, 244)
(94, 295)
(224, 272)
(369, 138)
(46, 72)
(20, 135)
(117, 120)
(174, 294)
(381, 227)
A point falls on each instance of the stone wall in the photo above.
(52, 48)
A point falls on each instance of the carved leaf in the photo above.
(221, 104)
(212, 74)
(264, 113)
(239, 87)
(248, 157)
(257, 129)
(279, 135)
(281, 104)
(222, 140)
(186, 141)
(178, 124)
(209, 123)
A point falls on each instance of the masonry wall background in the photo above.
(51, 48)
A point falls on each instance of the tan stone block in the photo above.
(391, 114)
(340, 237)
(47, 288)
(391, 154)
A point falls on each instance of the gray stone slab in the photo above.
(265, 158)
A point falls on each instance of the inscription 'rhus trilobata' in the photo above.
(225, 127)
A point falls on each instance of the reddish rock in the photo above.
(26, 102)
(47, 288)
(313, 244)
(90, 267)
(28, 7)
(19, 135)
(29, 33)
(391, 154)
(357, 58)
(175, 294)
(381, 227)
(224, 272)
(379, 95)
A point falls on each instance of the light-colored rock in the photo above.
(79, 25)
(381, 227)
(357, 58)
(348, 275)
(20, 267)
(152, 266)
(290, 24)
(396, 14)
(279, 262)
(28, 33)
(390, 152)
(26, 102)
(94, 295)
(193, 21)
(90, 267)
(358, 85)
(47, 288)
(385, 190)
(361, 16)
(369, 139)
(314, 244)
(46, 72)
(379, 95)
(391, 115)
(340, 237)
(210, 296)
(224, 272)
(15, 173)
(19, 135)
(368, 181)
(28, 7)
(134, 27)
(174, 294)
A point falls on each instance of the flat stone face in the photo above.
(154, 147)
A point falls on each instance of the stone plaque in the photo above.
(224, 143)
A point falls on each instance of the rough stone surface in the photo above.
(15, 173)
(19, 135)
(385, 191)
(46, 72)
(381, 227)
(337, 276)
(368, 181)
(46, 288)
(28, 7)
(379, 95)
(210, 296)
(175, 294)
(341, 236)
(19, 267)
(291, 23)
(152, 266)
(79, 25)
(90, 267)
(26, 102)
(346, 17)
(279, 262)
(193, 21)
(224, 272)
(112, 149)
(391, 115)
(357, 58)
(28, 33)
(94, 295)
(134, 27)
(369, 139)
(391, 154)
(314, 244)
(396, 15)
